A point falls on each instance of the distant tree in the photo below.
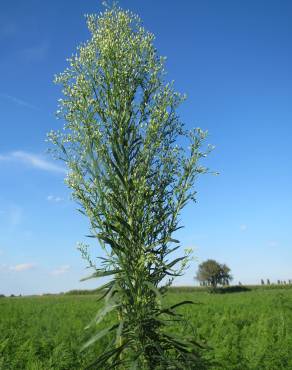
(268, 282)
(213, 273)
(262, 282)
(239, 283)
(279, 282)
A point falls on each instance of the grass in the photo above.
(246, 330)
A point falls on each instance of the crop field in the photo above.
(246, 330)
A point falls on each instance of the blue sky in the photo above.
(232, 58)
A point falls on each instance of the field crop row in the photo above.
(249, 330)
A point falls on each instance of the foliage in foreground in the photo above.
(247, 331)
(125, 148)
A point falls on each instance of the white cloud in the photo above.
(33, 160)
(243, 227)
(60, 270)
(22, 267)
(53, 198)
(18, 101)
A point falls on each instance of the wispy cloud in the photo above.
(32, 160)
(53, 198)
(36, 53)
(243, 227)
(60, 270)
(19, 102)
(22, 267)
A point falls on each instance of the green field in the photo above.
(247, 330)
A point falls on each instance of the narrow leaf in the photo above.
(101, 273)
(98, 336)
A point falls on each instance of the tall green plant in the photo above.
(130, 172)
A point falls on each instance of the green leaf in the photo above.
(181, 304)
(123, 222)
(152, 287)
(169, 310)
(116, 156)
(104, 290)
(172, 250)
(102, 313)
(98, 336)
(113, 198)
(101, 273)
(109, 241)
(102, 360)
(104, 286)
(119, 173)
(134, 365)
(174, 262)
(173, 240)
(119, 332)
